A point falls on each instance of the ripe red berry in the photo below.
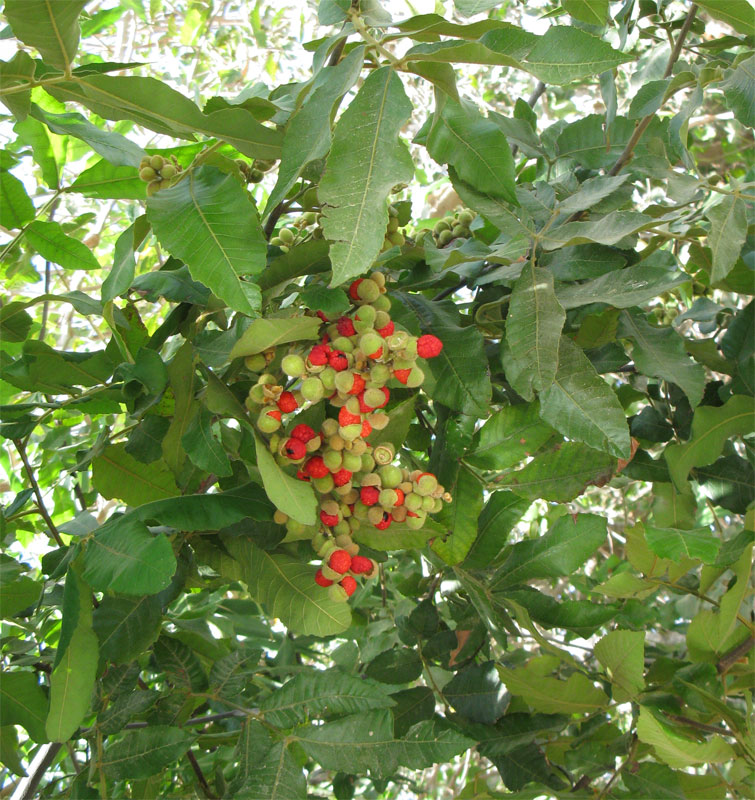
(345, 417)
(358, 385)
(340, 561)
(353, 294)
(275, 414)
(384, 522)
(303, 433)
(316, 468)
(400, 500)
(337, 359)
(287, 402)
(369, 495)
(386, 330)
(366, 429)
(349, 584)
(318, 356)
(376, 354)
(429, 346)
(321, 580)
(322, 316)
(330, 520)
(294, 449)
(401, 375)
(342, 477)
(302, 475)
(346, 326)
(360, 565)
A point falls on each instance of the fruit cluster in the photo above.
(254, 172)
(157, 172)
(358, 484)
(454, 226)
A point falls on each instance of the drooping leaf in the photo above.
(459, 518)
(366, 161)
(476, 692)
(728, 229)
(209, 223)
(203, 447)
(117, 474)
(501, 512)
(737, 13)
(286, 588)
(16, 207)
(582, 406)
(18, 594)
(180, 663)
(526, 764)
(120, 711)
(126, 625)
(51, 26)
(230, 674)
(607, 230)
(738, 89)
(53, 244)
(622, 653)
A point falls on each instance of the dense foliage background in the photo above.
(577, 622)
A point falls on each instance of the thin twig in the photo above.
(730, 658)
(700, 726)
(645, 122)
(618, 770)
(37, 493)
(200, 775)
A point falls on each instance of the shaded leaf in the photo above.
(53, 244)
(24, 703)
(477, 693)
(117, 474)
(144, 752)
(622, 653)
(728, 229)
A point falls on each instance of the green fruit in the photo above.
(266, 423)
(276, 241)
(343, 343)
(383, 303)
(168, 172)
(350, 432)
(344, 381)
(312, 389)
(257, 394)
(153, 187)
(366, 317)
(286, 235)
(374, 398)
(255, 363)
(384, 454)
(370, 343)
(413, 501)
(415, 523)
(458, 230)
(440, 227)
(256, 175)
(323, 485)
(388, 498)
(332, 460)
(310, 217)
(157, 162)
(390, 476)
(368, 462)
(444, 237)
(337, 593)
(328, 378)
(466, 217)
(368, 290)
(415, 378)
(392, 224)
(396, 239)
(285, 248)
(379, 374)
(293, 365)
(351, 462)
(426, 484)
(147, 174)
(374, 514)
(341, 529)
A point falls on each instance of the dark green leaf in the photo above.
(117, 474)
(24, 703)
(16, 208)
(50, 27)
(203, 447)
(477, 693)
(144, 752)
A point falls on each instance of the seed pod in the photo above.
(379, 278)
(279, 517)
(368, 462)
(368, 291)
(415, 378)
(336, 441)
(399, 513)
(329, 573)
(359, 447)
(388, 498)
(351, 461)
(425, 484)
(416, 522)
(332, 459)
(147, 174)
(379, 421)
(269, 421)
(153, 187)
(413, 502)
(383, 303)
(350, 432)
(372, 479)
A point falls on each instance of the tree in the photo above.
(310, 492)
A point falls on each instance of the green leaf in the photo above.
(270, 332)
(649, 98)
(126, 626)
(608, 230)
(144, 752)
(622, 288)
(312, 695)
(117, 474)
(676, 544)
(660, 352)
(203, 447)
(622, 653)
(120, 711)
(230, 674)
(565, 54)
(18, 594)
(475, 146)
(72, 684)
(500, 514)
(53, 244)
(508, 437)
(128, 559)
(121, 274)
(51, 26)
(458, 51)
(207, 221)
(561, 551)
(183, 377)
(366, 742)
(476, 692)
(737, 13)
(459, 518)
(593, 12)
(582, 406)
(514, 730)
(366, 161)
(712, 426)
(10, 751)
(526, 764)
(728, 230)
(24, 703)
(576, 695)
(580, 616)
(271, 773)
(104, 180)
(591, 192)
(286, 588)
(16, 208)
(292, 496)
(562, 474)
(308, 133)
(460, 373)
(179, 663)
(677, 749)
(533, 325)
(468, 8)
(738, 89)
(17, 75)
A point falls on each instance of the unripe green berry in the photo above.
(266, 423)
(310, 217)
(329, 427)
(390, 476)
(392, 224)
(440, 227)
(426, 484)
(256, 394)
(337, 593)
(332, 459)
(388, 498)
(413, 501)
(255, 363)
(323, 485)
(341, 528)
(344, 381)
(383, 303)
(293, 365)
(428, 503)
(312, 389)
(351, 461)
(415, 378)
(336, 442)
(153, 187)
(328, 378)
(466, 217)
(343, 343)
(350, 432)
(368, 291)
(445, 237)
(368, 463)
(374, 397)
(374, 514)
(397, 239)
(380, 373)
(157, 162)
(378, 420)
(256, 175)
(371, 343)
(383, 454)
(415, 523)
(147, 174)
(168, 172)
(286, 235)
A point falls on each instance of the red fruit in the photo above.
(318, 356)
(363, 407)
(376, 354)
(340, 561)
(366, 429)
(401, 375)
(316, 468)
(346, 327)
(294, 449)
(411, 514)
(287, 402)
(321, 580)
(360, 565)
(324, 344)
(429, 346)
(337, 359)
(369, 495)
(386, 330)
(303, 433)
(345, 417)
(353, 294)
(275, 414)
(400, 500)
(384, 522)
(349, 585)
(302, 475)
(358, 385)
(324, 319)
(342, 477)
(330, 520)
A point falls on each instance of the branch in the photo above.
(200, 775)
(26, 788)
(643, 124)
(37, 493)
(730, 658)
(700, 726)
